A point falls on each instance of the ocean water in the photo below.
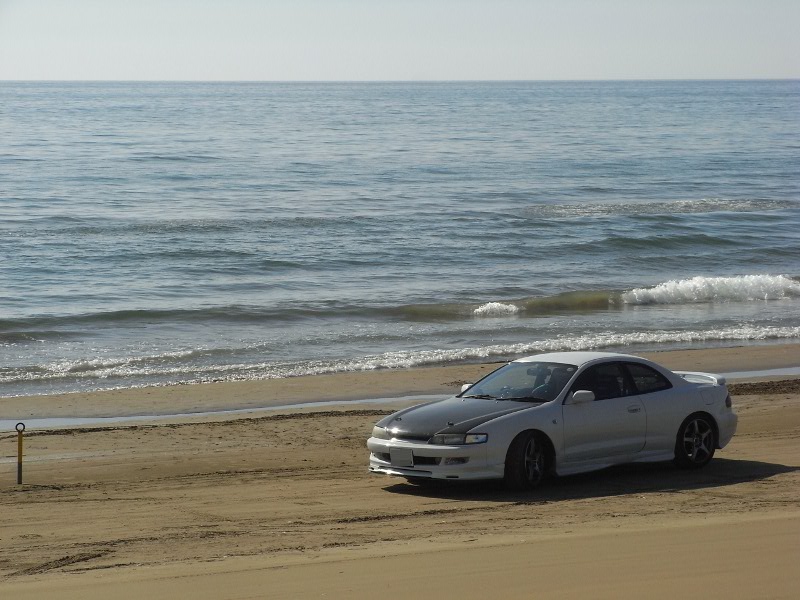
(160, 233)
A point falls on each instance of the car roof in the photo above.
(577, 358)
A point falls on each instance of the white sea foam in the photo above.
(716, 289)
(173, 374)
(598, 341)
(495, 309)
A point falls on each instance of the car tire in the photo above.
(695, 442)
(526, 462)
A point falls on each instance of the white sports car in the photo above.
(560, 413)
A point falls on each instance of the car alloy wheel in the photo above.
(526, 462)
(696, 442)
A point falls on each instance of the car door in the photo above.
(614, 424)
(663, 403)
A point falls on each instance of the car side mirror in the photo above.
(465, 387)
(581, 397)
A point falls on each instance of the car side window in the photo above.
(606, 381)
(647, 380)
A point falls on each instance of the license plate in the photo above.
(401, 457)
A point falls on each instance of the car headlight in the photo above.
(458, 439)
(380, 433)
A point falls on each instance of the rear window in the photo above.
(647, 380)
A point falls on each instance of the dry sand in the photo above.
(281, 505)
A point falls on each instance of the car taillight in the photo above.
(728, 402)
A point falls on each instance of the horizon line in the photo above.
(565, 80)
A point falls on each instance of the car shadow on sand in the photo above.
(614, 481)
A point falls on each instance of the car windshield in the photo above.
(527, 381)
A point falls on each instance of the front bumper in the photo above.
(419, 459)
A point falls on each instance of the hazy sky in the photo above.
(398, 39)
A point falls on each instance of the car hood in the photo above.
(454, 415)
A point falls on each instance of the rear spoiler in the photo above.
(695, 377)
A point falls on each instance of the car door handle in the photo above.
(634, 409)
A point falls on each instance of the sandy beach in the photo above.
(279, 504)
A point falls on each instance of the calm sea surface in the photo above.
(155, 233)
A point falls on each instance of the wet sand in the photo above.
(281, 505)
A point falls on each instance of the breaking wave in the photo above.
(746, 288)
(696, 290)
(495, 309)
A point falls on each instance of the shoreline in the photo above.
(244, 396)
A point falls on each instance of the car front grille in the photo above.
(405, 437)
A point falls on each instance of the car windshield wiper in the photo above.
(481, 396)
(526, 398)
